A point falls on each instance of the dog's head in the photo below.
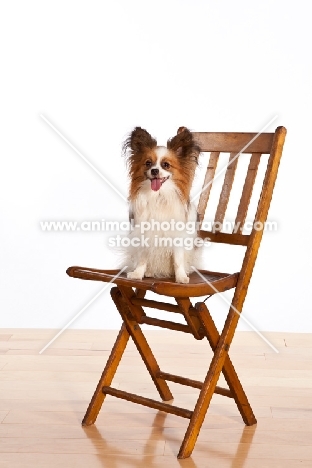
(160, 168)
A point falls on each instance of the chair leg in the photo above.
(203, 402)
(140, 342)
(228, 369)
(106, 377)
(220, 361)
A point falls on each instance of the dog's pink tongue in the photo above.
(156, 184)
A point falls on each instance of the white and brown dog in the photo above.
(160, 183)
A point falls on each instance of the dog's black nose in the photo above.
(155, 172)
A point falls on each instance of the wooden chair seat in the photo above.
(200, 285)
(130, 301)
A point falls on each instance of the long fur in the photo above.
(160, 184)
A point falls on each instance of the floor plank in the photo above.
(43, 398)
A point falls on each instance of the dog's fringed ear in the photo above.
(138, 140)
(183, 144)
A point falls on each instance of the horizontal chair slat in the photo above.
(184, 413)
(234, 142)
(225, 238)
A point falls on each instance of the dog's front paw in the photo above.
(182, 279)
(134, 275)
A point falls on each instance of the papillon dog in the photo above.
(160, 208)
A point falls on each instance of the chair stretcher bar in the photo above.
(184, 413)
(192, 383)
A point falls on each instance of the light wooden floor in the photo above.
(43, 399)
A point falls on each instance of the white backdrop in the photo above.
(95, 70)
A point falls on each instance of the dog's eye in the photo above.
(165, 165)
(148, 163)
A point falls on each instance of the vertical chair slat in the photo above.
(225, 192)
(204, 197)
(246, 193)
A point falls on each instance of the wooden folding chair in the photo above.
(129, 295)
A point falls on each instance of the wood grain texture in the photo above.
(225, 237)
(197, 286)
(225, 191)
(41, 427)
(234, 142)
(247, 191)
(205, 192)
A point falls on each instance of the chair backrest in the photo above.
(236, 144)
